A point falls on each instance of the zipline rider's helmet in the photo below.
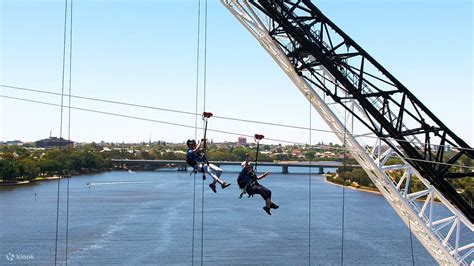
(190, 142)
(244, 163)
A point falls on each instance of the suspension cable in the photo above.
(204, 109)
(61, 129)
(310, 180)
(196, 119)
(232, 118)
(221, 131)
(343, 188)
(69, 129)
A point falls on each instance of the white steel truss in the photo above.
(438, 229)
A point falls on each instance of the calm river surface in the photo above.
(147, 218)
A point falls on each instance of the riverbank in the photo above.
(369, 189)
(360, 188)
(6, 184)
(54, 177)
(25, 182)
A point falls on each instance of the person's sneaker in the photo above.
(267, 210)
(213, 187)
(225, 184)
(274, 206)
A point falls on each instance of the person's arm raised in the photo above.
(263, 175)
(201, 145)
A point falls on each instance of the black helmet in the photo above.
(190, 142)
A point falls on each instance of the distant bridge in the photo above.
(183, 166)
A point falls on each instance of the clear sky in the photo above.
(144, 52)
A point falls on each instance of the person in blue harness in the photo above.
(196, 158)
(248, 182)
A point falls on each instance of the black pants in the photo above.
(261, 190)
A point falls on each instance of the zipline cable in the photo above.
(99, 100)
(221, 131)
(368, 135)
(61, 128)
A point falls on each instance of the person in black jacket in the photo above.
(248, 181)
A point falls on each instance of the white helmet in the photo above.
(244, 163)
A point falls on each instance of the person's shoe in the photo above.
(274, 206)
(267, 210)
(213, 187)
(225, 184)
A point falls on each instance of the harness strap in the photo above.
(244, 190)
(249, 184)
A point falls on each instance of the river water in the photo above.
(147, 218)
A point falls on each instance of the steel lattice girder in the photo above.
(445, 247)
(313, 41)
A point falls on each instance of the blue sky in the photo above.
(144, 52)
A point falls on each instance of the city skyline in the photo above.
(122, 52)
(239, 142)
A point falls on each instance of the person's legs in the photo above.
(213, 186)
(216, 169)
(266, 195)
(216, 172)
(210, 171)
(268, 203)
(268, 198)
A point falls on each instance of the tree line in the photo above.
(23, 164)
(27, 163)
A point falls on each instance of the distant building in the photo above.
(52, 142)
(13, 143)
(242, 140)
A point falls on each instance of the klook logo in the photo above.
(10, 257)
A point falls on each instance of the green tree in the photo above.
(91, 161)
(48, 166)
(310, 154)
(9, 169)
(30, 169)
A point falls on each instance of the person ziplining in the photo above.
(196, 158)
(248, 180)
